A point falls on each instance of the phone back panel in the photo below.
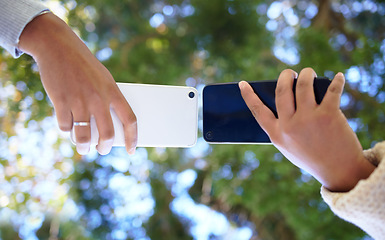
(227, 119)
(167, 116)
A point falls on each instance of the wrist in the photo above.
(42, 34)
(344, 180)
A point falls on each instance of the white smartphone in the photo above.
(167, 116)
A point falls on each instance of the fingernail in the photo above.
(103, 151)
(104, 146)
(242, 84)
(131, 151)
(83, 148)
(340, 74)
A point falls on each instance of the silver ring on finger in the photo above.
(81, 124)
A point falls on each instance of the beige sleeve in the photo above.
(364, 205)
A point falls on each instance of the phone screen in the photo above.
(227, 119)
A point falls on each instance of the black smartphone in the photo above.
(227, 119)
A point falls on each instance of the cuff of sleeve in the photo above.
(375, 156)
(361, 205)
(15, 15)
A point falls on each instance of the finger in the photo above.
(64, 118)
(333, 94)
(82, 132)
(284, 96)
(304, 91)
(128, 119)
(262, 114)
(105, 128)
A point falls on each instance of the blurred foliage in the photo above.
(212, 41)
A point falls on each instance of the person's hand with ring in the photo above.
(78, 85)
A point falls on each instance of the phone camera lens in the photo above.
(191, 94)
(209, 135)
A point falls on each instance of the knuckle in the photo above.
(107, 135)
(335, 89)
(113, 89)
(296, 126)
(95, 97)
(324, 118)
(302, 84)
(133, 119)
(130, 121)
(79, 105)
(61, 98)
(256, 109)
(288, 130)
(83, 139)
(281, 90)
(65, 127)
(131, 141)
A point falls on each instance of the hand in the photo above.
(78, 85)
(316, 138)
